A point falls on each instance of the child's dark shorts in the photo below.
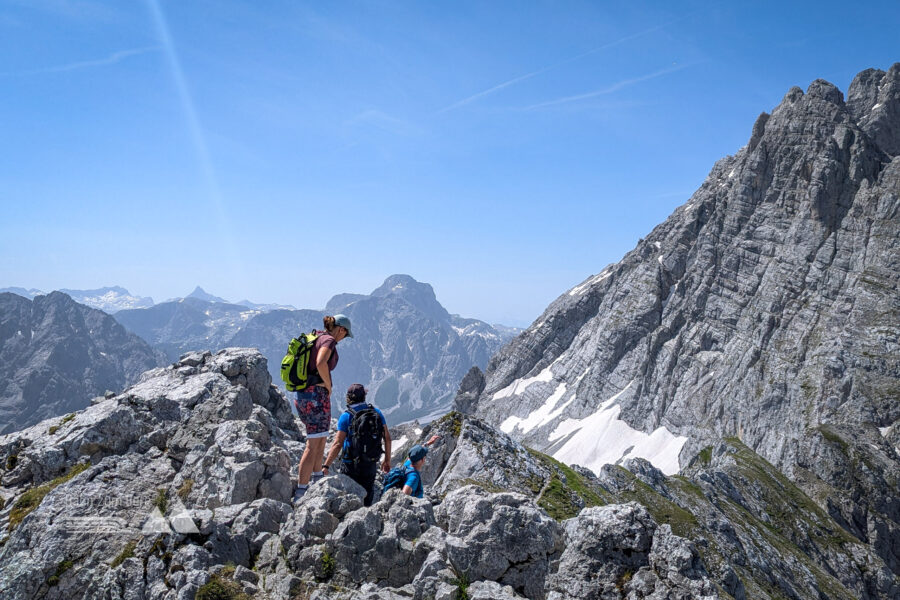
(314, 407)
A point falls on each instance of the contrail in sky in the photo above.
(112, 59)
(555, 65)
(615, 87)
(196, 131)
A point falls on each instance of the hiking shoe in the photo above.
(298, 493)
(316, 477)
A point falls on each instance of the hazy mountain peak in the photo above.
(202, 294)
(402, 284)
(421, 295)
(341, 301)
(30, 293)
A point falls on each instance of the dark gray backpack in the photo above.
(366, 435)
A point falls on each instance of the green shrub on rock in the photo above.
(219, 588)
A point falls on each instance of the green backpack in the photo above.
(295, 364)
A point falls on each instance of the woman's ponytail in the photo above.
(328, 322)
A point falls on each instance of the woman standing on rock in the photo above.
(314, 403)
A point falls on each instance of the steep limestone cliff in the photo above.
(766, 308)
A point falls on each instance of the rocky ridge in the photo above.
(56, 354)
(177, 488)
(765, 308)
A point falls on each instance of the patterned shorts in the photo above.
(314, 407)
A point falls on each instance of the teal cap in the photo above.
(417, 453)
(343, 321)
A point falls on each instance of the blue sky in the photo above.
(287, 151)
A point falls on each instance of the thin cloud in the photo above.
(490, 91)
(521, 78)
(112, 59)
(382, 121)
(606, 90)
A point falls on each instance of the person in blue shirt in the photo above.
(361, 471)
(412, 486)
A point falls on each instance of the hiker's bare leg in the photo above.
(312, 458)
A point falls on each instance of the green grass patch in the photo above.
(60, 569)
(162, 500)
(622, 581)
(158, 548)
(792, 512)
(663, 510)
(534, 483)
(126, 553)
(558, 501)
(592, 495)
(705, 456)
(327, 565)
(834, 439)
(184, 490)
(779, 540)
(461, 581)
(32, 498)
(567, 492)
(687, 486)
(219, 588)
(53, 429)
(453, 421)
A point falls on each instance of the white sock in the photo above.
(302, 487)
(318, 473)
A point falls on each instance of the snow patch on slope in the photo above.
(580, 289)
(602, 438)
(536, 417)
(545, 413)
(520, 385)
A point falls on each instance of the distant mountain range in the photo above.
(56, 354)
(113, 299)
(107, 299)
(408, 350)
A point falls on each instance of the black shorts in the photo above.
(362, 473)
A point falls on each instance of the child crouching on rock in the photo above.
(407, 476)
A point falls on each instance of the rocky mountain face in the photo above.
(56, 354)
(185, 324)
(766, 308)
(107, 299)
(177, 488)
(408, 350)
